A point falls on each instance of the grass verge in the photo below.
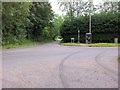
(26, 43)
(104, 45)
(92, 45)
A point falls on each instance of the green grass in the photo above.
(26, 43)
(92, 45)
(73, 44)
(104, 45)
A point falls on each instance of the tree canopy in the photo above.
(25, 20)
(105, 24)
(36, 21)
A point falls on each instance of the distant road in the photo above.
(54, 66)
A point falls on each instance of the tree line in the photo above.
(23, 21)
(35, 21)
(105, 21)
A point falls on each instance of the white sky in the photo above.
(55, 7)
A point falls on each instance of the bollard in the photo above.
(115, 40)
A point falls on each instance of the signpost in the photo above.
(72, 40)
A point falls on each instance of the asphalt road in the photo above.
(54, 66)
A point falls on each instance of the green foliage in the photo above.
(0, 24)
(41, 16)
(57, 22)
(25, 20)
(26, 43)
(92, 45)
(46, 32)
(14, 22)
(104, 28)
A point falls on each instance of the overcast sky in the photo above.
(55, 5)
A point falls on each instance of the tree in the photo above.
(25, 20)
(75, 8)
(108, 7)
(14, 21)
(104, 28)
(0, 23)
(57, 22)
(41, 16)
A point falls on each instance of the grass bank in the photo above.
(26, 43)
(92, 45)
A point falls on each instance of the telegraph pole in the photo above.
(90, 11)
(78, 36)
(89, 34)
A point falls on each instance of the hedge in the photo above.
(105, 27)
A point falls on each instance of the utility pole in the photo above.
(89, 34)
(78, 36)
(90, 11)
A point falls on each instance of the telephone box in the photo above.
(88, 38)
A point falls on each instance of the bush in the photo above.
(104, 28)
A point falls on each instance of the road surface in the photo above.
(54, 66)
